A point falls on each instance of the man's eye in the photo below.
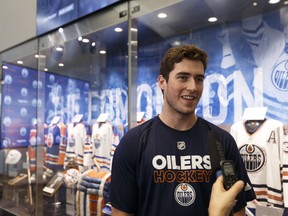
(183, 77)
(198, 79)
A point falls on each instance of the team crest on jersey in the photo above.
(181, 145)
(285, 147)
(279, 76)
(71, 142)
(253, 157)
(50, 140)
(184, 194)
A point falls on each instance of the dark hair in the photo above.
(177, 54)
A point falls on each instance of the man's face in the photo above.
(185, 86)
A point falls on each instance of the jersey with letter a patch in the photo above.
(266, 160)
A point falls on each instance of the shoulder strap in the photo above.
(215, 150)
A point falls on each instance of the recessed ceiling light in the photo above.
(102, 52)
(176, 43)
(60, 30)
(61, 64)
(162, 15)
(59, 49)
(255, 4)
(45, 69)
(118, 29)
(134, 29)
(93, 44)
(85, 40)
(20, 62)
(4, 67)
(274, 1)
(79, 38)
(212, 19)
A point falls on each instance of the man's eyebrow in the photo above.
(183, 73)
(200, 76)
(188, 73)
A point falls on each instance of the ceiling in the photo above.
(185, 16)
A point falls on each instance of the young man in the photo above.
(163, 166)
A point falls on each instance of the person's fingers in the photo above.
(236, 188)
(219, 180)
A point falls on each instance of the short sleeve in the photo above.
(123, 193)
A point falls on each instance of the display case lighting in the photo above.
(162, 15)
(39, 56)
(93, 47)
(85, 40)
(134, 29)
(212, 19)
(118, 29)
(176, 43)
(59, 49)
(274, 1)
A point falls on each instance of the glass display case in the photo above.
(59, 90)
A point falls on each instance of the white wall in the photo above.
(17, 22)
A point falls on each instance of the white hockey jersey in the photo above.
(265, 155)
(77, 140)
(104, 143)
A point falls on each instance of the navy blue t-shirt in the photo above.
(158, 170)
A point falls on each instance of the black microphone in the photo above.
(215, 151)
(219, 165)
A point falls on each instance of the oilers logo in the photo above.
(184, 194)
(97, 141)
(253, 157)
(285, 147)
(50, 140)
(279, 76)
(71, 141)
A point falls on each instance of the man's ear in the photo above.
(161, 82)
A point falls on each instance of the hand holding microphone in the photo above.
(222, 200)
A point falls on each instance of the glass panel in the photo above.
(84, 71)
(78, 83)
(244, 57)
(18, 118)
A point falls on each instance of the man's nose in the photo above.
(191, 84)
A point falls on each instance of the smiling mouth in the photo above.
(188, 97)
